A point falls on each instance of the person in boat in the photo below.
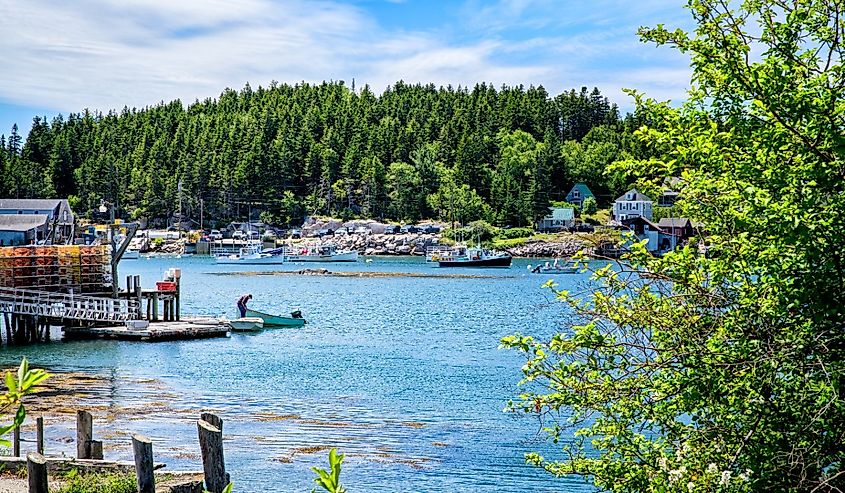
(242, 301)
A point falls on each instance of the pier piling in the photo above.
(36, 469)
(142, 448)
(39, 431)
(211, 446)
(84, 434)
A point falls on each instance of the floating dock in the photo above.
(156, 331)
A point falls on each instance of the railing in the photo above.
(66, 306)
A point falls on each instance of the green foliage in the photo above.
(330, 481)
(75, 482)
(512, 233)
(722, 372)
(414, 151)
(18, 385)
(589, 206)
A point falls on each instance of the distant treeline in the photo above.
(415, 151)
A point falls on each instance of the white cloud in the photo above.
(102, 55)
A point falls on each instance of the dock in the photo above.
(197, 328)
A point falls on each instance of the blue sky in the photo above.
(62, 57)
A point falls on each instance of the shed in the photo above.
(23, 229)
(558, 218)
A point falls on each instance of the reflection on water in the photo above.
(401, 374)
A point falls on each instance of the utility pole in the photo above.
(201, 211)
(111, 238)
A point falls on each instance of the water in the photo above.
(401, 374)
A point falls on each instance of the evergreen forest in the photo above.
(288, 151)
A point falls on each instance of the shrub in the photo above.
(509, 234)
(98, 483)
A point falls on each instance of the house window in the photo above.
(576, 194)
(20, 212)
(64, 216)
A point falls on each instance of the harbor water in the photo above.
(401, 373)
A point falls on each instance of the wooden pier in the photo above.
(156, 331)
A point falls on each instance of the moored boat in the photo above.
(320, 253)
(129, 254)
(295, 320)
(461, 256)
(556, 268)
(251, 254)
(247, 324)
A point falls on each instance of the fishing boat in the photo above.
(321, 253)
(556, 268)
(462, 256)
(295, 319)
(129, 254)
(252, 253)
(247, 324)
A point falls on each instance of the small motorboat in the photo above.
(246, 324)
(295, 319)
(320, 253)
(556, 268)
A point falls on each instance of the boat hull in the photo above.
(275, 320)
(485, 262)
(247, 324)
(562, 270)
(260, 260)
(337, 257)
(131, 255)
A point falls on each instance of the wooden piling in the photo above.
(96, 448)
(211, 446)
(36, 469)
(84, 434)
(139, 297)
(39, 431)
(213, 419)
(16, 442)
(142, 447)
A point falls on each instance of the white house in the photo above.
(632, 204)
(559, 218)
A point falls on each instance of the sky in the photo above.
(62, 57)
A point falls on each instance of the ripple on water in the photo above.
(401, 373)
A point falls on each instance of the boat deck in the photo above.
(156, 331)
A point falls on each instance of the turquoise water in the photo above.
(402, 374)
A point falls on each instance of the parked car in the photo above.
(325, 232)
(269, 234)
(296, 233)
(215, 235)
(431, 229)
(391, 229)
(238, 235)
(361, 230)
(253, 235)
(341, 231)
(409, 228)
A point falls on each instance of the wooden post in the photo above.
(155, 306)
(84, 433)
(8, 328)
(178, 296)
(129, 288)
(36, 469)
(213, 419)
(138, 296)
(142, 447)
(16, 442)
(96, 448)
(39, 431)
(211, 446)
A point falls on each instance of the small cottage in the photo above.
(58, 212)
(23, 229)
(632, 204)
(578, 194)
(675, 231)
(559, 218)
(644, 229)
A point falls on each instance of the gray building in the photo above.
(23, 229)
(59, 215)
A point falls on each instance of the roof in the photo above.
(638, 197)
(674, 222)
(561, 213)
(631, 220)
(583, 188)
(671, 182)
(22, 222)
(30, 203)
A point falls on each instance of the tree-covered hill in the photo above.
(415, 151)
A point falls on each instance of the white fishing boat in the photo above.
(129, 254)
(247, 324)
(320, 253)
(252, 253)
